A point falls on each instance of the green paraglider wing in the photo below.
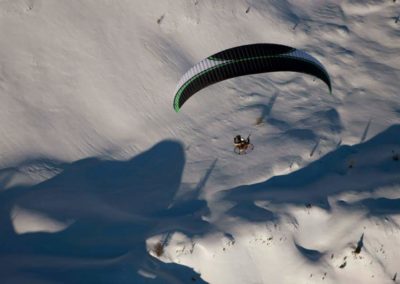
(246, 60)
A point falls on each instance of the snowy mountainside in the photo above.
(308, 224)
(102, 182)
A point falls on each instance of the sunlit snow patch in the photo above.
(30, 221)
(146, 274)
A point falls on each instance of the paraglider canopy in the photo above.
(246, 60)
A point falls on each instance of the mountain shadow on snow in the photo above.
(111, 207)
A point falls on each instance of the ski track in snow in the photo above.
(102, 182)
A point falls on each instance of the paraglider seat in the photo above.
(237, 139)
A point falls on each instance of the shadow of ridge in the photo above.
(374, 206)
(324, 177)
(251, 212)
(152, 271)
(114, 206)
(142, 185)
(310, 254)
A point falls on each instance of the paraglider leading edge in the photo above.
(246, 60)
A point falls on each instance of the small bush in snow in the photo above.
(159, 249)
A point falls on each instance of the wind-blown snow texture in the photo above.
(102, 182)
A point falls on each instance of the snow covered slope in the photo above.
(102, 182)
